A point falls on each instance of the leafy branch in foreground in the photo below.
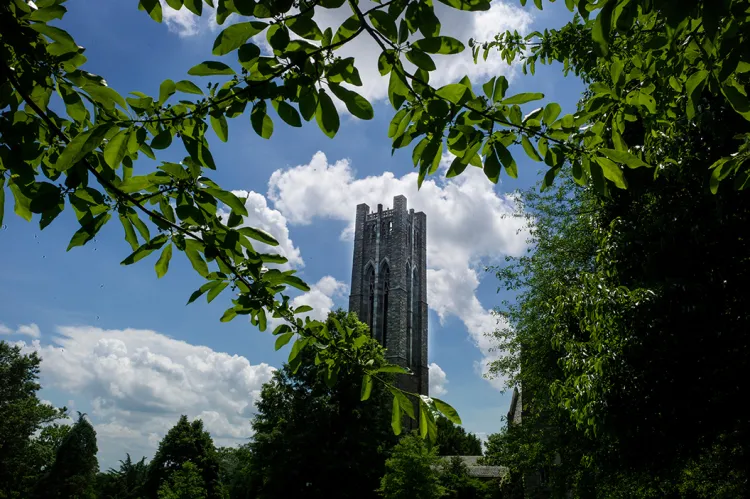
(690, 60)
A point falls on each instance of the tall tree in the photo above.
(73, 474)
(412, 471)
(22, 414)
(126, 482)
(314, 437)
(185, 442)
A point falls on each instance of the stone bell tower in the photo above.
(389, 285)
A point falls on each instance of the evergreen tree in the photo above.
(412, 471)
(22, 458)
(124, 483)
(185, 442)
(73, 474)
(314, 437)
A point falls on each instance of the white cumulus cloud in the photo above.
(24, 329)
(139, 382)
(468, 223)
(438, 380)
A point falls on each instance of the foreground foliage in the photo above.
(70, 140)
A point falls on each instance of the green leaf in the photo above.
(278, 37)
(551, 112)
(447, 411)
(282, 340)
(492, 166)
(162, 140)
(216, 290)
(105, 96)
(188, 87)
(234, 36)
(623, 157)
(210, 68)
(145, 250)
(346, 30)
(248, 55)
(302, 309)
(326, 115)
(454, 92)
(694, 86)
(194, 6)
(472, 5)
(366, 387)
(355, 103)
(396, 416)
(219, 124)
(602, 25)
(612, 172)
(648, 102)
(87, 232)
(116, 148)
(73, 104)
(385, 24)
(529, 148)
(296, 282)
(196, 260)
(423, 419)
(153, 7)
(258, 235)
(56, 34)
(384, 62)
(81, 145)
(166, 89)
(501, 86)
(439, 45)
(22, 203)
(305, 27)
(522, 98)
(506, 158)
(420, 59)
(48, 13)
(228, 315)
(229, 199)
(287, 113)
(737, 98)
(262, 123)
(162, 264)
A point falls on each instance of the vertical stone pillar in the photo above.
(358, 296)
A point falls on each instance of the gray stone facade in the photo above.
(389, 285)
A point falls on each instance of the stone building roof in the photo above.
(480, 471)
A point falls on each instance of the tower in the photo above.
(389, 285)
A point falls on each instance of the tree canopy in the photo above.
(314, 437)
(185, 442)
(23, 458)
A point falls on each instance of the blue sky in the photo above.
(122, 346)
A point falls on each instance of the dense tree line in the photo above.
(628, 339)
(313, 438)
